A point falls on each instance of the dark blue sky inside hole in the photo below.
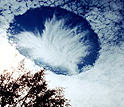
(35, 18)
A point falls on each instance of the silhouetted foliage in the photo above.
(29, 90)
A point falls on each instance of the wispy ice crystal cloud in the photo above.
(58, 46)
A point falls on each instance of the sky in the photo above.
(100, 85)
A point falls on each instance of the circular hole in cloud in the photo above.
(55, 39)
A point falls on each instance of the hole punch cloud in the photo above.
(67, 39)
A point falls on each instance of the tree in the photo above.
(29, 90)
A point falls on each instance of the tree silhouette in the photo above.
(29, 90)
